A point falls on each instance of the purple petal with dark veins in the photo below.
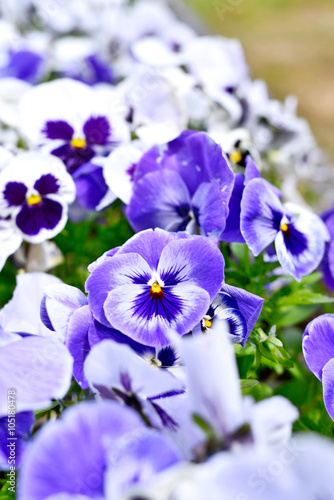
(122, 269)
(58, 129)
(73, 157)
(47, 184)
(15, 193)
(261, 214)
(196, 261)
(250, 306)
(149, 320)
(45, 215)
(97, 130)
(159, 199)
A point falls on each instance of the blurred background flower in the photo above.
(289, 44)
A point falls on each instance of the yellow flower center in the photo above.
(34, 199)
(156, 288)
(78, 143)
(284, 227)
(156, 291)
(207, 323)
(235, 156)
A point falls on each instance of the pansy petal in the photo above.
(148, 320)
(90, 186)
(39, 368)
(208, 360)
(232, 229)
(328, 387)
(249, 304)
(98, 332)
(179, 263)
(139, 460)
(198, 158)
(149, 244)
(318, 343)
(128, 373)
(27, 299)
(302, 249)
(210, 206)
(119, 270)
(236, 323)
(41, 221)
(69, 457)
(166, 202)
(60, 302)
(261, 214)
(58, 129)
(97, 130)
(77, 342)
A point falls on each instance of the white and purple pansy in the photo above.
(299, 235)
(71, 121)
(156, 282)
(35, 191)
(238, 308)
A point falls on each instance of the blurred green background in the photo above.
(289, 44)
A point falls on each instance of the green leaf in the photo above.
(248, 383)
(291, 316)
(303, 297)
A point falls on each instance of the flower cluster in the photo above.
(150, 376)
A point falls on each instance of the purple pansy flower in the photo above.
(318, 349)
(96, 439)
(299, 235)
(183, 185)
(76, 151)
(72, 121)
(156, 282)
(239, 308)
(35, 191)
